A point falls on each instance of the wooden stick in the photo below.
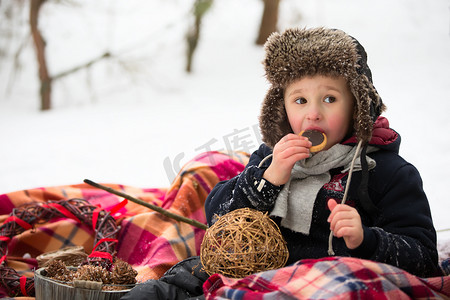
(149, 205)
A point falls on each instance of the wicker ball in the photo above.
(71, 256)
(243, 242)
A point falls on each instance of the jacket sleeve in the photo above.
(403, 234)
(248, 189)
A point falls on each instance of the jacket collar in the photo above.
(383, 136)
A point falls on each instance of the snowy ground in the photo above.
(137, 118)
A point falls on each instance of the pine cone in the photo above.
(56, 268)
(123, 273)
(106, 276)
(67, 277)
(92, 273)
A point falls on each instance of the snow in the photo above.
(136, 118)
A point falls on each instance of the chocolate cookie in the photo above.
(317, 138)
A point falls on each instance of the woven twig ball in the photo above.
(71, 256)
(243, 242)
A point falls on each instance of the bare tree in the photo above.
(268, 25)
(12, 42)
(15, 14)
(193, 34)
(39, 46)
(269, 20)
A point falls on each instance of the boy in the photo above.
(320, 80)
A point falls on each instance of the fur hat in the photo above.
(297, 53)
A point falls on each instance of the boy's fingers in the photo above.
(331, 204)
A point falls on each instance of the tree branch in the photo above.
(149, 205)
(86, 65)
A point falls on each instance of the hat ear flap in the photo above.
(363, 90)
(273, 120)
(363, 70)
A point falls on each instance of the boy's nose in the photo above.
(313, 114)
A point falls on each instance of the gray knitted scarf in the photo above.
(295, 202)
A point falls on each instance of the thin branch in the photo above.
(86, 65)
(149, 205)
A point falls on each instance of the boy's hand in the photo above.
(345, 222)
(290, 149)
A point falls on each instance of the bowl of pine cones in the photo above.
(58, 281)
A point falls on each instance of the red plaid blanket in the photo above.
(150, 242)
(153, 243)
(329, 278)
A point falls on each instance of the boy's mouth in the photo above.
(314, 128)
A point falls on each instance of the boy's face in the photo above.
(322, 103)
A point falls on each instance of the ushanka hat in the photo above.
(297, 53)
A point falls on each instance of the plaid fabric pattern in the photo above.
(329, 278)
(153, 243)
(149, 241)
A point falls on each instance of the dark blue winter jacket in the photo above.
(400, 232)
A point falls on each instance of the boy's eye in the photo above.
(329, 99)
(300, 101)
